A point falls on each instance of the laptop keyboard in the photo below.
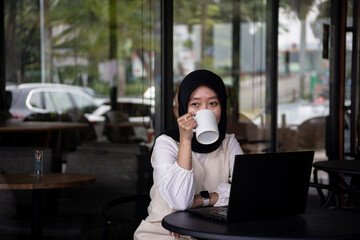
(219, 213)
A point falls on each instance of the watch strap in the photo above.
(206, 202)
(205, 196)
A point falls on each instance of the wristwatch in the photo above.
(205, 196)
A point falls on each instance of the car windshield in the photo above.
(60, 100)
(56, 100)
(84, 104)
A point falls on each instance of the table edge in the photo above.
(32, 186)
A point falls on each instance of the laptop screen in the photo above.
(269, 185)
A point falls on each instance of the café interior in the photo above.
(89, 85)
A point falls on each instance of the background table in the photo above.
(127, 124)
(40, 126)
(350, 167)
(314, 224)
(337, 185)
(23, 127)
(38, 183)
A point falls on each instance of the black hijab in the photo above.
(187, 86)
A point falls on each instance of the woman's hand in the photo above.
(186, 125)
(176, 235)
(198, 202)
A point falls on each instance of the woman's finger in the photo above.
(176, 235)
(186, 121)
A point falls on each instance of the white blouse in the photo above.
(175, 183)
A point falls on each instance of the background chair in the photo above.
(123, 225)
(118, 224)
(120, 170)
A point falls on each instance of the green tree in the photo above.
(87, 31)
(22, 40)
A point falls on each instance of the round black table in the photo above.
(314, 224)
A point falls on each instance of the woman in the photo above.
(182, 166)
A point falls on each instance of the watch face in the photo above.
(204, 194)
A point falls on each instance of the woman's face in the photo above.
(204, 97)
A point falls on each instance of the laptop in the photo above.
(265, 185)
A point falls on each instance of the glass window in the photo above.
(49, 104)
(35, 100)
(303, 75)
(228, 37)
(106, 46)
(351, 95)
(83, 103)
(61, 100)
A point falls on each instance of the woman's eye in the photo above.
(195, 104)
(213, 103)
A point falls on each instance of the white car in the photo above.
(36, 100)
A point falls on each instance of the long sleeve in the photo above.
(176, 184)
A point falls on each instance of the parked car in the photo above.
(51, 101)
(55, 102)
(58, 102)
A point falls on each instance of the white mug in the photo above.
(207, 131)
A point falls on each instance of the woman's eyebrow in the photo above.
(198, 98)
(194, 98)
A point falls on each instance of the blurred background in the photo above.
(289, 66)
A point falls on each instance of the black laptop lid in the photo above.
(269, 185)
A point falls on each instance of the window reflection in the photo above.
(105, 48)
(227, 37)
